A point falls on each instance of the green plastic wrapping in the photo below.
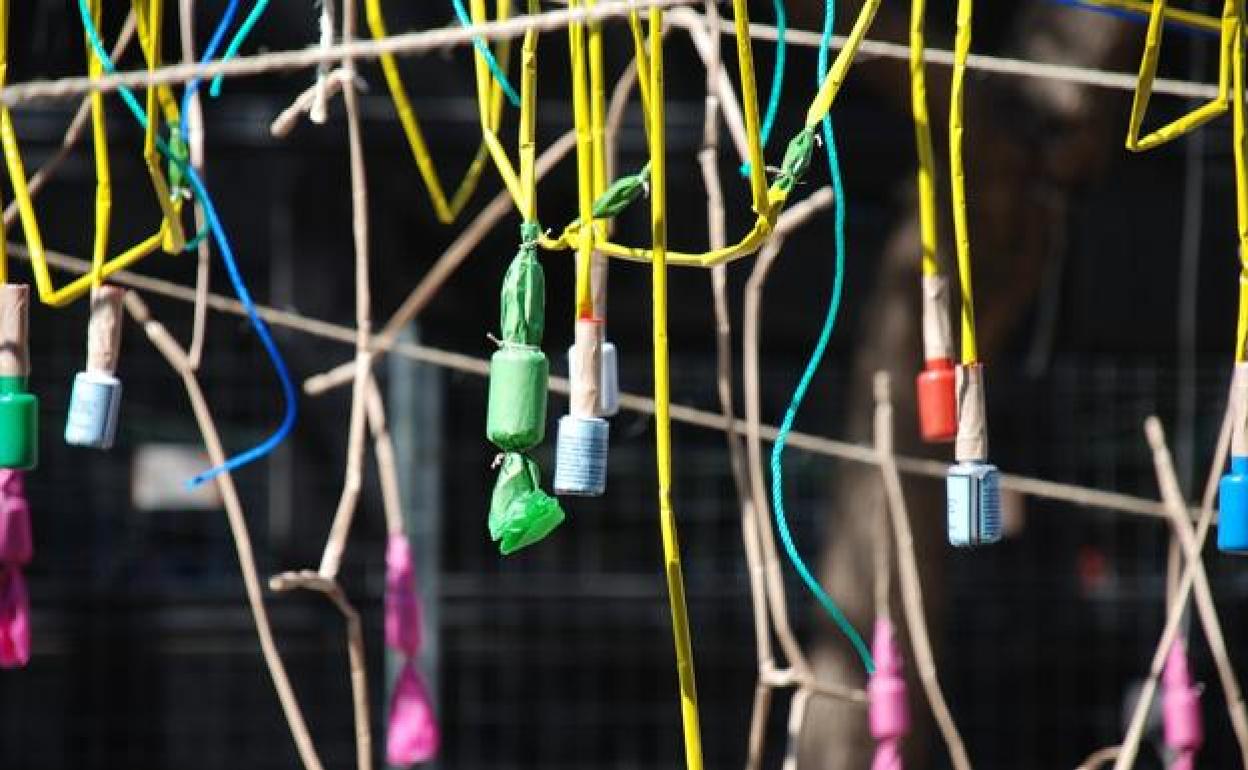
(523, 299)
(621, 194)
(797, 158)
(521, 514)
(516, 416)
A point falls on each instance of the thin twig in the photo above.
(908, 574)
(353, 477)
(312, 581)
(195, 134)
(1205, 607)
(179, 361)
(1174, 613)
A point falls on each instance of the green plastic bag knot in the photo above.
(523, 298)
(621, 194)
(529, 233)
(521, 514)
(797, 159)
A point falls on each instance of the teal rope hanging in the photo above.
(812, 367)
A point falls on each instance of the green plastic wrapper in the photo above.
(523, 299)
(515, 419)
(797, 158)
(521, 514)
(621, 194)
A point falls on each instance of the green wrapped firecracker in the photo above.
(19, 410)
(521, 514)
(516, 416)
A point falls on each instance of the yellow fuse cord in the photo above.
(1180, 16)
(923, 140)
(446, 211)
(773, 197)
(150, 18)
(528, 122)
(584, 166)
(1241, 195)
(4, 79)
(957, 178)
(662, 405)
(1148, 71)
(170, 231)
(489, 133)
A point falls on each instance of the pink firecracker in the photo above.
(1180, 707)
(889, 712)
(413, 732)
(16, 546)
(14, 618)
(403, 631)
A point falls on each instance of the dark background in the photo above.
(560, 656)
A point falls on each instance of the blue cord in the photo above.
(777, 82)
(812, 366)
(1135, 16)
(243, 31)
(214, 43)
(227, 255)
(487, 54)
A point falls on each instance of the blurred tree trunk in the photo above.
(1030, 144)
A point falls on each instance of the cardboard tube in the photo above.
(587, 373)
(972, 441)
(937, 332)
(14, 329)
(1239, 408)
(104, 329)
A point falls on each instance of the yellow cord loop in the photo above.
(159, 104)
(957, 178)
(662, 405)
(1229, 26)
(923, 140)
(446, 211)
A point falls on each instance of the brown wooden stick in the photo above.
(1174, 615)
(908, 573)
(180, 362)
(1205, 607)
(194, 120)
(383, 451)
(353, 477)
(312, 581)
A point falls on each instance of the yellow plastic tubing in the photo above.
(1174, 15)
(957, 178)
(768, 202)
(446, 211)
(1229, 26)
(662, 398)
(1241, 192)
(170, 236)
(923, 140)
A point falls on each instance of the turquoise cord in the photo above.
(812, 366)
(487, 54)
(237, 42)
(777, 81)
